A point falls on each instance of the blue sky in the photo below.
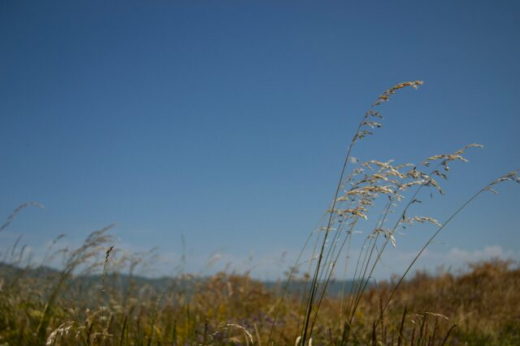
(226, 122)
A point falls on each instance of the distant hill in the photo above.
(124, 281)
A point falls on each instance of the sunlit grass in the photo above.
(95, 299)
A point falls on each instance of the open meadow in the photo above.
(73, 306)
(478, 307)
(259, 173)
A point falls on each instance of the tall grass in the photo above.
(356, 195)
(90, 302)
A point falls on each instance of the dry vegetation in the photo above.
(479, 307)
(72, 306)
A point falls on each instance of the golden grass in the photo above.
(478, 307)
(72, 307)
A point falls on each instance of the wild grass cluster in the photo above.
(42, 307)
(95, 298)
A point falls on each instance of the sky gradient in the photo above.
(226, 122)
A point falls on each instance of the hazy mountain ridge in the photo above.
(184, 282)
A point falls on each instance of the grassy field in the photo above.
(478, 307)
(70, 306)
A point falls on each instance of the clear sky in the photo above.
(226, 122)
